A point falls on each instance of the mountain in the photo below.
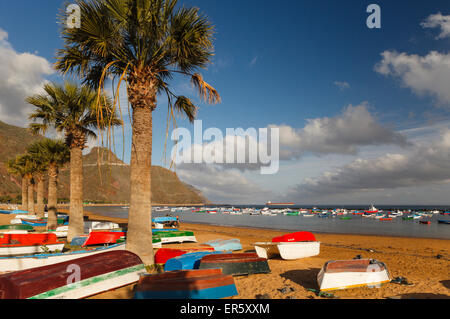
(106, 177)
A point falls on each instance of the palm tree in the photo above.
(40, 168)
(146, 43)
(29, 168)
(53, 154)
(73, 110)
(15, 168)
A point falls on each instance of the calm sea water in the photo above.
(356, 225)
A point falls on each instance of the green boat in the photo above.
(16, 227)
(292, 214)
(407, 218)
(175, 236)
(345, 218)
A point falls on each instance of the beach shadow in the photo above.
(446, 283)
(306, 278)
(423, 296)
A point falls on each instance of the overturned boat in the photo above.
(345, 274)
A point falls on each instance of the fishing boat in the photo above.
(186, 284)
(287, 250)
(98, 273)
(225, 244)
(23, 244)
(372, 210)
(16, 263)
(236, 264)
(344, 274)
(90, 226)
(102, 237)
(164, 254)
(15, 229)
(175, 236)
(187, 261)
(295, 237)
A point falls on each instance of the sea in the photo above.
(356, 225)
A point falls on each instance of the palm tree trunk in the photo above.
(52, 221)
(24, 194)
(30, 196)
(40, 195)
(139, 236)
(76, 222)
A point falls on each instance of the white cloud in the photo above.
(424, 75)
(22, 74)
(342, 85)
(343, 134)
(438, 20)
(425, 164)
(253, 61)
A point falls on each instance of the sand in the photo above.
(424, 262)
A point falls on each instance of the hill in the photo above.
(106, 177)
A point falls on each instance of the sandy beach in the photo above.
(424, 262)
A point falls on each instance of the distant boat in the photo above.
(372, 210)
(269, 203)
(345, 274)
(443, 221)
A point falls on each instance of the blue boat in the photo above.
(187, 261)
(6, 212)
(225, 244)
(19, 211)
(160, 220)
(191, 284)
(155, 230)
(34, 224)
(78, 241)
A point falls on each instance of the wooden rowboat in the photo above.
(15, 229)
(236, 264)
(22, 244)
(186, 284)
(287, 250)
(187, 261)
(295, 237)
(344, 274)
(16, 263)
(175, 236)
(97, 273)
(225, 244)
(90, 226)
(164, 254)
(102, 237)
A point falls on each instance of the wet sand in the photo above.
(424, 262)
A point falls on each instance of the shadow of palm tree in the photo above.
(306, 278)
(446, 283)
(423, 296)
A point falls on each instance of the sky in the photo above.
(362, 113)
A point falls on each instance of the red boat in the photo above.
(28, 239)
(164, 254)
(294, 237)
(427, 222)
(103, 237)
(385, 219)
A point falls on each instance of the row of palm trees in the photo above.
(144, 44)
(43, 157)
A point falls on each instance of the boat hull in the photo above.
(187, 261)
(98, 273)
(354, 273)
(193, 284)
(287, 251)
(236, 264)
(295, 237)
(225, 245)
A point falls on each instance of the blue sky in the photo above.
(287, 63)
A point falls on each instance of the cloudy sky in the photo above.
(363, 114)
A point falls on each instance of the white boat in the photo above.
(8, 264)
(93, 225)
(287, 250)
(308, 215)
(345, 274)
(28, 250)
